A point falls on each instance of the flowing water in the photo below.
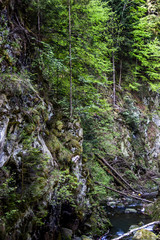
(122, 221)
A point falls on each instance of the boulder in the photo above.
(130, 210)
(67, 233)
(86, 238)
(144, 234)
(77, 238)
(133, 226)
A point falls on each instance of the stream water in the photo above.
(122, 221)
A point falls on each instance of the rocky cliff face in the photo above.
(43, 182)
(136, 119)
(139, 125)
(41, 169)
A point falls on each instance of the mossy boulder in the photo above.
(144, 234)
(86, 238)
(99, 222)
(59, 125)
(66, 234)
(53, 143)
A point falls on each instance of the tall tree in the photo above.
(70, 58)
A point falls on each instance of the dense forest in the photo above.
(79, 116)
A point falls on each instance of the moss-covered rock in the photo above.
(59, 125)
(99, 223)
(144, 234)
(67, 234)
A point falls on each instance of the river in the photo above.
(121, 221)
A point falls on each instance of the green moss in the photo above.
(59, 125)
(144, 234)
(130, 175)
(36, 119)
(58, 150)
(67, 137)
(99, 222)
(56, 133)
(64, 155)
(73, 143)
(53, 144)
(154, 210)
(30, 128)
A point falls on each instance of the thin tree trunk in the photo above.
(114, 80)
(70, 60)
(136, 229)
(22, 177)
(120, 74)
(38, 20)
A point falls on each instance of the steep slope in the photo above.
(47, 186)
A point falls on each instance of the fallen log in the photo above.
(150, 195)
(136, 229)
(115, 172)
(124, 194)
(108, 171)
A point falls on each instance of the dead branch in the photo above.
(124, 194)
(136, 229)
(108, 171)
(115, 172)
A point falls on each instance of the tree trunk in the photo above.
(114, 80)
(38, 21)
(70, 59)
(120, 74)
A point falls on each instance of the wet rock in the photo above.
(156, 228)
(130, 210)
(149, 209)
(80, 133)
(3, 130)
(76, 158)
(133, 227)
(112, 204)
(77, 238)
(144, 234)
(86, 238)
(2, 229)
(110, 199)
(120, 205)
(67, 233)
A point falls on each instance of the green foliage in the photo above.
(154, 210)
(9, 195)
(146, 46)
(131, 114)
(98, 133)
(28, 188)
(98, 175)
(155, 86)
(130, 175)
(16, 84)
(66, 187)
